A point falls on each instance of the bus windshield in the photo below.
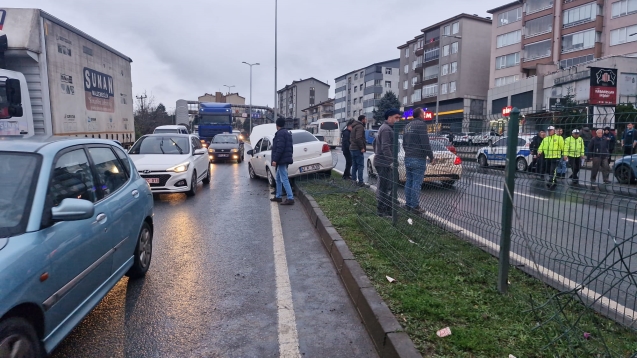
(215, 119)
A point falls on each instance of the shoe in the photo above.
(362, 185)
(287, 202)
(575, 182)
(273, 192)
(278, 200)
(607, 182)
(384, 215)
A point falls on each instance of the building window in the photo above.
(579, 41)
(404, 100)
(537, 50)
(378, 95)
(446, 30)
(355, 88)
(444, 69)
(510, 17)
(624, 7)
(360, 111)
(501, 81)
(432, 54)
(581, 14)
(509, 60)
(414, 80)
(509, 39)
(454, 47)
(445, 50)
(388, 71)
(362, 74)
(454, 67)
(537, 5)
(431, 72)
(455, 28)
(356, 76)
(432, 35)
(498, 104)
(622, 36)
(377, 83)
(361, 87)
(430, 90)
(416, 96)
(443, 88)
(538, 26)
(407, 52)
(570, 62)
(387, 84)
(452, 87)
(354, 100)
(406, 69)
(414, 64)
(406, 85)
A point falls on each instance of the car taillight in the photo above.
(326, 148)
(458, 161)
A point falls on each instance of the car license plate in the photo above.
(223, 155)
(152, 180)
(309, 168)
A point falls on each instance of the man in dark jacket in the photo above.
(586, 136)
(417, 149)
(537, 165)
(629, 140)
(357, 148)
(610, 137)
(345, 143)
(598, 151)
(384, 161)
(282, 156)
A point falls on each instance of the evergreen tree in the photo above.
(386, 103)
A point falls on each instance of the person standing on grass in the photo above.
(551, 148)
(417, 149)
(574, 153)
(599, 153)
(384, 161)
(629, 140)
(357, 147)
(345, 143)
(282, 156)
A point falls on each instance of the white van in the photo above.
(177, 129)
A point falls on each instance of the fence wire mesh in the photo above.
(575, 234)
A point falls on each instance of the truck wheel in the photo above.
(193, 185)
(18, 339)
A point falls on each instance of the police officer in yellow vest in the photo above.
(552, 148)
(574, 154)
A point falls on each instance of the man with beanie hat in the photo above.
(282, 156)
(384, 160)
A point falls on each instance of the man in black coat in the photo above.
(282, 156)
(599, 152)
(537, 165)
(345, 143)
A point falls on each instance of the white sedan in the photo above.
(446, 169)
(171, 163)
(310, 155)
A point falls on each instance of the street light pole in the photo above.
(229, 87)
(438, 86)
(250, 114)
(276, 99)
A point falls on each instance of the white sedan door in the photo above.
(201, 161)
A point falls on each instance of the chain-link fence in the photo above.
(572, 220)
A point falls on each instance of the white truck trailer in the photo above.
(57, 80)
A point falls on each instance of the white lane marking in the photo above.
(631, 220)
(288, 336)
(516, 193)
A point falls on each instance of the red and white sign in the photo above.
(506, 111)
(603, 86)
(429, 116)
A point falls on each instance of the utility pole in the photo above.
(276, 99)
(251, 64)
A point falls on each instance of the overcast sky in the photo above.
(183, 49)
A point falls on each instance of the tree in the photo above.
(246, 125)
(148, 116)
(386, 103)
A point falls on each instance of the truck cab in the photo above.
(213, 119)
(14, 96)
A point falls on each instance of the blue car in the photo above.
(370, 135)
(75, 217)
(625, 169)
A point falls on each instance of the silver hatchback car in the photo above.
(75, 216)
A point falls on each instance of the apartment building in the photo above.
(448, 63)
(219, 97)
(358, 92)
(301, 94)
(531, 39)
(313, 113)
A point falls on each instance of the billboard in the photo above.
(603, 89)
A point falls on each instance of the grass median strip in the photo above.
(442, 281)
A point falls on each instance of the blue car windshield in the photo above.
(18, 176)
(215, 119)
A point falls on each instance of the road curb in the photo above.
(382, 326)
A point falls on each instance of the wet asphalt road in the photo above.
(211, 290)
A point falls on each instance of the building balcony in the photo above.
(418, 67)
(419, 51)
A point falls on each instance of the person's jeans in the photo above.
(348, 163)
(283, 181)
(416, 168)
(358, 165)
(383, 194)
(597, 163)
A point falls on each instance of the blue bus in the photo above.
(214, 118)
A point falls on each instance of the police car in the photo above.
(495, 154)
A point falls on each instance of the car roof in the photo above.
(171, 126)
(37, 143)
(168, 134)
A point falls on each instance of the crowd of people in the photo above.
(553, 155)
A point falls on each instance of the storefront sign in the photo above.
(429, 116)
(603, 86)
(506, 111)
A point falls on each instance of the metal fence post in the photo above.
(398, 126)
(507, 200)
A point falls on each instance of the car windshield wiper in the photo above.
(161, 146)
(177, 145)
